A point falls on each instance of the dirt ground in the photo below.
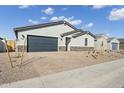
(44, 63)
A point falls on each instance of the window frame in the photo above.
(86, 41)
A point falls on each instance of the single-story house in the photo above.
(104, 42)
(2, 45)
(113, 43)
(121, 43)
(54, 36)
(101, 42)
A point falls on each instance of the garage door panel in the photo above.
(43, 44)
(39, 43)
(41, 49)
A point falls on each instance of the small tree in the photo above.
(7, 50)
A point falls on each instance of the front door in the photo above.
(67, 41)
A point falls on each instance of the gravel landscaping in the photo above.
(44, 63)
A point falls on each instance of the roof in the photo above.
(69, 33)
(121, 40)
(82, 33)
(18, 29)
(100, 36)
(77, 33)
(110, 38)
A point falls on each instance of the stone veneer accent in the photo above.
(81, 48)
(20, 48)
(62, 48)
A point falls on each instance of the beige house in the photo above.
(104, 42)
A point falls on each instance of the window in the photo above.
(102, 44)
(86, 41)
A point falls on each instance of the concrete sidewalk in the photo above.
(110, 74)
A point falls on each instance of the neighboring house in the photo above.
(104, 42)
(2, 45)
(101, 42)
(54, 36)
(121, 43)
(113, 43)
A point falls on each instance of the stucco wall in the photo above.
(98, 44)
(80, 41)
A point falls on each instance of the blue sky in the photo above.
(97, 19)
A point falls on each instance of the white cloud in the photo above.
(76, 22)
(69, 19)
(55, 18)
(99, 6)
(65, 8)
(116, 14)
(87, 26)
(33, 21)
(24, 6)
(108, 34)
(43, 18)
(48, 11)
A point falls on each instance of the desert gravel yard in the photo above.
(44, 63)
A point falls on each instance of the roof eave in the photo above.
(18, 29)
(15, 32)
(82, 33)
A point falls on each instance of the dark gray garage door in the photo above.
(41, 43)
(114, 46)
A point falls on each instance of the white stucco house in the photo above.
(2, 45)
(113, 43)
(54, 36)
(104, 42)
(101, 42)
